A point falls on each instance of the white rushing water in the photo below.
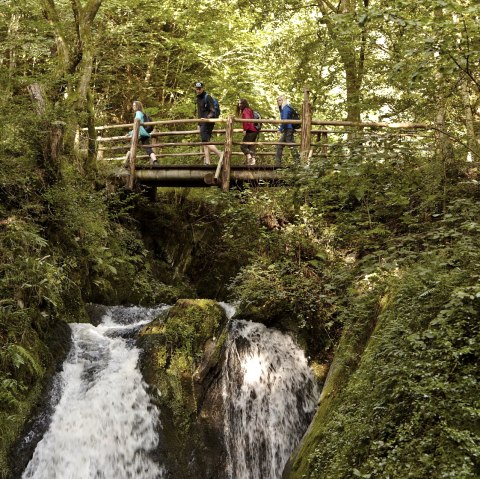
(270, 397)
(104, 425)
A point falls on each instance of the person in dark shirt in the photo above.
(206, 109)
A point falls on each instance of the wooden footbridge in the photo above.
(316, 138)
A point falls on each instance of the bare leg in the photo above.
(216, 151)
(206, 151)
(153, 158)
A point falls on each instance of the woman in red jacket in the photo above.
(250, 132)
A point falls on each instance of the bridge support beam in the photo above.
(200, 175)
(227, 154)
(306, 136)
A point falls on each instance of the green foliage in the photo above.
(404, 403)
(409, 409)
(380, 229)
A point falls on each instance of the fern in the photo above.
(20, 358)
(8, 389)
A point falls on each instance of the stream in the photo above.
(104, 425)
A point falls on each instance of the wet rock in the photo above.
(182, 363)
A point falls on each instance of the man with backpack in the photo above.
(286, 129)
(207, 107)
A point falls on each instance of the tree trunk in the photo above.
(63, 53)
(77, 59)
(53, 142)
(351, 45)
(472, 141)
(36, 94)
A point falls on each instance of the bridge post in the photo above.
(306, 136)
(324, 141)
(227, 154)
(99, 150)
(133, 154)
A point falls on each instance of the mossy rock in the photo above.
(181, 362)
(174, 347)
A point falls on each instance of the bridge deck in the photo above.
(202, 175)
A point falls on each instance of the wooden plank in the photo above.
(100, 153)
(324, 144)
(373, 124)
(162, 145)
(162, 122)
(218, 170)
(110, 139)
(186, 143)
(404, 125)
(227, 153)
(260, 143)
(133, 154)
(184, 132)
(272, 121)
(306, 133)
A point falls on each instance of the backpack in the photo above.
(216, 105)
(294, 116)
(146, 119)
(257, 116)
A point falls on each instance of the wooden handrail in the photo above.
(227, 154)
(306, 132)
(199, 143)
(112, 139)
(374, 124)
(218, 171)
(273, 121)
(326, 134)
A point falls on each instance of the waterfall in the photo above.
(270, 397)
(104, 425)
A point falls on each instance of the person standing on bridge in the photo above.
(144, 135)
(249, 130)
(206, 109)
(286, 130)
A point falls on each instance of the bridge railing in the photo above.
(318, 138)
(321, 138)
(121, 144)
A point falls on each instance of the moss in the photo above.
(34, 364)
(12, 423)
(174, 347)
(404, 404)
(353, 342)
(180, 350)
